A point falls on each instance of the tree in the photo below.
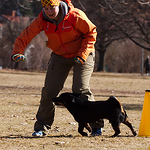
(116, 20)
(12, 28)
(23, 7)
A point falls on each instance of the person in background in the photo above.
(147, 66)
(71, 37)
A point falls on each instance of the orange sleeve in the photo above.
(27, 35)
(85, 26)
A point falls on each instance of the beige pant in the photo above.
(58, 70)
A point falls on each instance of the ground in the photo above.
(19, 100)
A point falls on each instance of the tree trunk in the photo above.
(101, 61)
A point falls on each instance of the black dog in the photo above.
(85, 112)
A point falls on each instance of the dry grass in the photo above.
(19, 100)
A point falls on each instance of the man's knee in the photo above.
(85, 94)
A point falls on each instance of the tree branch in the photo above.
(144, 3)
(82, 5)
(22, 5)
(116, 12)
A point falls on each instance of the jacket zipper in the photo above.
(47, 26)
(56, 28)
(62, 42)
(59, 36)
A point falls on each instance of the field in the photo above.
(19, 101)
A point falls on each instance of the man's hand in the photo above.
(18, 57)
(79, 60)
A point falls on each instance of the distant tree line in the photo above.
(119, 25)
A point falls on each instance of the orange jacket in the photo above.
(74, 36)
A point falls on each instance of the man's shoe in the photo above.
(38, 134)
(96, 131)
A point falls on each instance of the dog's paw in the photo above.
(134, 133)
(84, 134)
(112, 136)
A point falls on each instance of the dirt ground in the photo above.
(19, 101)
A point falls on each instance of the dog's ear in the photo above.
(73, 100)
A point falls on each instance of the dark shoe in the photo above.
(96, 131)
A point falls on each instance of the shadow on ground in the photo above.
(57, 136)
(136, 107)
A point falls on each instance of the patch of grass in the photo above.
(20, 97)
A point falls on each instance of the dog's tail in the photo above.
(114, 101)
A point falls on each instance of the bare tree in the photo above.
(116, 20)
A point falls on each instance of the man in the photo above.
(71, 37)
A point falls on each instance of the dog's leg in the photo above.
(116, 129)
(127, 123)
(80, 129)
(88, 127)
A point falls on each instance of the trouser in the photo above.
(58, 70)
